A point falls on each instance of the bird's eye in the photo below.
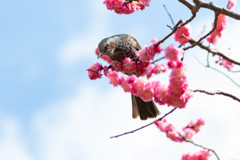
(106, 47)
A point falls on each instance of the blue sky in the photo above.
(49, 109)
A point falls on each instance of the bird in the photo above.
(118, 47)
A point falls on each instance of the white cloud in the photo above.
(80, 46)
(12, 146)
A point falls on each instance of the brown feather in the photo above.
(143, 109)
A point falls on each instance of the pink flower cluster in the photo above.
(175, 94)
(178, 91)
(126, 6)
(140, 68)
(201, 155)
(225, 63)
(221, 24)
(186, 31)
(170, 130)
(191, 129)
(138, 86)
(94, 71)
(174, 56)
(148, 52)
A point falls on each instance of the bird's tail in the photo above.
(143, 109)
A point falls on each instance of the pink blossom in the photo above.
(221, 25)
(185, 30)
(127, 82)
(160, 93)
(148, 92)
(227, 64)
(188, 133)
(142, 67)
(116, 66)
(173, 53)
(231, 4)
(158, 48)
(128, 65)
(104, 57)
(194, 126)
(154, 69)
(114, 77)
(201, 155)
(94, 71)
(158, 68)
(181, 101)
(148, 52)
(138, 86)
(170, 130)
(105, 70)
(145, 54)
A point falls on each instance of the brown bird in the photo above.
(118, 47)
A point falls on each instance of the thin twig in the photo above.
(192, 41)
(174, 29)
(234, 71)
(208, 66)
(198, 145)
(159, 119)
(225, 75)
(219, 93)
(159, 59)
(169, 15)
(194, 13)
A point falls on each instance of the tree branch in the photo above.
(159, 119)
(214, 52)
(217, 92)
(210, 6)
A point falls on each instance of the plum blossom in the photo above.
(227, 64)
(173, 53)
(94, 71)
(231, 4)
(193, 128)
(127, 82)
(148, 52)
(186, 31)
(170, 130)
(114, 77)
(138, 86)
(126, 7)
(200, 155)
(221, 24)
(148, 92)
(128, 65)
(217, 34)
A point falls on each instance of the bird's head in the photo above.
(107, 46)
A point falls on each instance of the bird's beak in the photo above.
(99, 55)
